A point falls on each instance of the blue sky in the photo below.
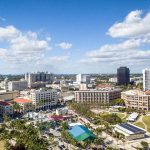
(74, 36)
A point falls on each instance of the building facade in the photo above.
(146, 79)
(4, 84)
(32, 78)
(123, 76)
(17, 85)
(9, 96)
(136, 99)
(82, 78)
(44, 99)
(97, 96)
(113, 80)
(25, 104)
(130, 131)
(6, 108)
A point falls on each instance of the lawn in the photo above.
(146, 120)
(1, 145)
(121, 115)
(139, 124)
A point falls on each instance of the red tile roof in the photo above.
(147, 92)
(2, 103)
(56, 118)
(22, 100)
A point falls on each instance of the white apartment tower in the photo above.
(146, 79)
(44, 99)
(82, 78)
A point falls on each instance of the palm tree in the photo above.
(16, 108)
(25, 137)
(99, 141)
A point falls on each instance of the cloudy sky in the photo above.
(74, 36)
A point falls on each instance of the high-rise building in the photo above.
(38, 77)
(82, 78)
(146, 79)
(123, 76)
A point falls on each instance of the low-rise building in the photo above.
(113, 80)
(97, 96)
(8, 96)
(136, 99)
(25, 104)
(133, 116)
(61, 111)
(130, 131)
(6, 108)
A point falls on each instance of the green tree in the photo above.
(25, 137)
(145, 145)
(17, 108)
(118, 101)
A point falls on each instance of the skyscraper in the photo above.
(123, 76)
(146, 79)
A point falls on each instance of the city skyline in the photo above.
(74, 36)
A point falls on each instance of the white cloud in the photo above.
(65, 45)
(126, 52)
(134, 25)
(8, 33)
(26, 51)
(22, 46)
(132, 51)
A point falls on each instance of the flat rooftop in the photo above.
(129, 128)
(135, 92)
(101, 90)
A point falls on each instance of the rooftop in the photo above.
(2, 103)
(101, 90)
(136, 92)
(129, 128)
(81, 133)
(22, 100)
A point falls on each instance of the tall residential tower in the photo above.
(146, 79)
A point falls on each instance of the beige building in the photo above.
(25, 104)
(8, 96)
(136, 99)
(97, 96)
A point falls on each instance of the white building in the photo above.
(114, 80)
(146, 79)
(61, 111)
(44, 99)
(4, 84)
(82, 78)
(130, 131)
(17, 85)
(133, 116)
